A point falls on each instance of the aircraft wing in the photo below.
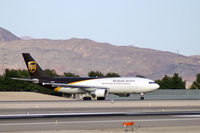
(73, 85)
(96, 90)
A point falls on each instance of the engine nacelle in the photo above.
(100, 92)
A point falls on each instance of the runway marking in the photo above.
(95, 113)
(92, 122)
(61, 114)
(188, 116)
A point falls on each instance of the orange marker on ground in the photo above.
(126, 124)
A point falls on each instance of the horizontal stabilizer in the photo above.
(35, 80)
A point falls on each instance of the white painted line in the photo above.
(29, 115)
(188, 116)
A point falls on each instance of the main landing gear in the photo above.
(100, 98)
(142, 96)
(87, 98)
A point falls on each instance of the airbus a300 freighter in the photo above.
(96, 87)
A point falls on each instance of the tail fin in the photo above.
(32, 66)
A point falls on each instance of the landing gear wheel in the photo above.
(142, 96)
(100, 98)
(87, 98)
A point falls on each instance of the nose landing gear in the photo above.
(142, 96)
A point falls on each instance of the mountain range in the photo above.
(83, 55)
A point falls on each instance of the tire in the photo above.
(100, 98)
(141, 98)
(87, 98)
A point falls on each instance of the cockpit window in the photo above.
(152, 82)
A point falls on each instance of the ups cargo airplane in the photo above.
(96, 87)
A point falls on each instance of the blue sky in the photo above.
(167, 25)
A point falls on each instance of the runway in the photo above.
(97, 123)
(46, 107)
(98, 115)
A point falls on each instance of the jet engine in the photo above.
(100, 92)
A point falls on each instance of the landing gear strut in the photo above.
(142, 96)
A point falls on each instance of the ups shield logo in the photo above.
(32, 65)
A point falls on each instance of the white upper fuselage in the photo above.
(118, 85)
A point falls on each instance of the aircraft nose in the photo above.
(156, 86)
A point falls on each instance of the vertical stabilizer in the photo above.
(32, 66)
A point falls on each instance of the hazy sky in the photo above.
(167, 25)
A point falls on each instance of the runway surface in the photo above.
(145, 114)
(96, 110)
(97, 123)
(46, 107)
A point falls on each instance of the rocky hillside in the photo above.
(7, 36)
(82, 55)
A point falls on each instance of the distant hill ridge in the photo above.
(7, 36)
(83, 55)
